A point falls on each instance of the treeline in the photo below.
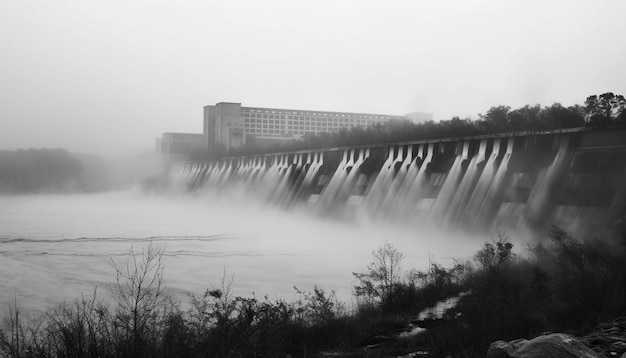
(49, 170)
(561, 285)
(604, 110)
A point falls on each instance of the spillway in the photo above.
(574, 178)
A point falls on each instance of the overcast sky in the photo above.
(110, 76)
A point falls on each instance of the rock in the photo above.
(609, 338)
(500, 349)
(555, 345)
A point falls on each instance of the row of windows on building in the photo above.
(308, 121)
(306, 118)
(280, 114)
(294, 125)
(290, 131)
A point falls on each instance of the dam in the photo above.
(571, 178)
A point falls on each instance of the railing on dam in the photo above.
(572, 178)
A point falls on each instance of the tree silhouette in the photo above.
(607, 108)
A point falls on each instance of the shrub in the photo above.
(382, 275)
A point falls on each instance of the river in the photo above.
(57, 247)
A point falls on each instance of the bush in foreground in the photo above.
(562, 285)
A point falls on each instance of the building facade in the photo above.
(230, 125)
(179, 144)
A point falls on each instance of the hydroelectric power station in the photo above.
(573, 178)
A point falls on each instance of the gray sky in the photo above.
(109, 76)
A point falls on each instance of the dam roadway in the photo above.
(572, 178)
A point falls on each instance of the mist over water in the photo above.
(57, 247)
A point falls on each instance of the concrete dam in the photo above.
(573, 178)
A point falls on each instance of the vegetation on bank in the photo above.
(559, 284)
(54, 171)
(605, 110)
(50, 171)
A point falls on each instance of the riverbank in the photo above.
(563, 285)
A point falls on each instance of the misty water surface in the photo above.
(55, 247)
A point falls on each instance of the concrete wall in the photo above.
(519, 181)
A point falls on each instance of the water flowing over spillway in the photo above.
(571, 178)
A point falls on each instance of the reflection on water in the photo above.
(55, 247)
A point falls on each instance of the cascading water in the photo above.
(348, 184)
(483, 185)
(416, 204)
(396, 182)
(464, 191)
(281, 171)
(375, 196)
(315, 162)
(328, 196)
(448, 189)
(537, 208)
(400, 203)
(483, 218)
(283, 193)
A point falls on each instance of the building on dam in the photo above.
(231, 125)
(179, 145)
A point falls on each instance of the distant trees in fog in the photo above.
(48, 170)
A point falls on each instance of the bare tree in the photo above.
(140, 296)
(382, 275)
(21, 337)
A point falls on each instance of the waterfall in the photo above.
(328, 195)
(463, 194)
(396, 182)
(378, 189)
(400, 203)
(415, 203)
(315, 161)
(448, 189)
(539, 205)
(478, 195)
(491, 200)
(349, 182)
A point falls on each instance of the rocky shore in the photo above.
(608, 340)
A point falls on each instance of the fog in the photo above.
(108, 78)
(57, 247)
